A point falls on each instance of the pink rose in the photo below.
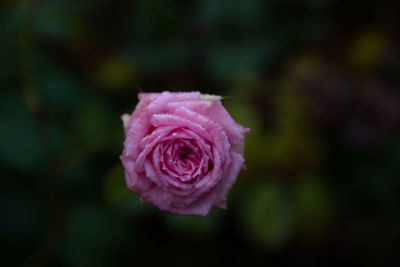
(182, 152)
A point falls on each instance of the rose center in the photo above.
(182, 159)
(185, 153)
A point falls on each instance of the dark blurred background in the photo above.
(317, 81)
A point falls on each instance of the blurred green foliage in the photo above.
(316, 81)
(267, 215)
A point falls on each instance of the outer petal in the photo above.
(214, 111)
(164, 201)
(178, 96)
(229, 179)
(125, 120)
(135, 181)
(200, 207)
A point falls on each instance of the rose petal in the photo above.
(229, 180)
(182, 151)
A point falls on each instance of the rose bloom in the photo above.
(182, 152)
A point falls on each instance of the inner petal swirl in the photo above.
(182, 159)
